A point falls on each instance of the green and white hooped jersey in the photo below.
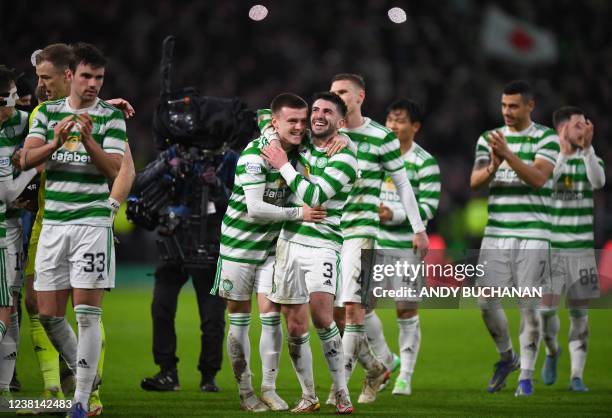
(245, 239)
(572, 205)
(326, 181)
(378, 150)
(76, 193)
(424, 175)
(516, 210)
(12, 133)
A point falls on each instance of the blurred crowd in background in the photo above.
(435, 57)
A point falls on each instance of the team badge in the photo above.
(72, 143)
(526, 148)
(321, 162)
(227, 285)
(364, 147)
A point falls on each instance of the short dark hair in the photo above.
(356, 79)
(7, 76)
(334, 98)
(563, 114)
(412, 108)
(60, 55)
(290, 100)
(87, 54)
(521, 87)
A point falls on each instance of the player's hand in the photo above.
(564, 143)
(61, 131)
(316, 214)
(275, 156)
(85, 127)
(499, 145)
(337, 144)
(587, 138)
(494, 164)
(385, 213)
(16, 159)
(420, 244)
(124, 106)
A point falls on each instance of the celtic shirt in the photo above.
(320, 181)
(243, 238)
(424, 175)
(76, 192)
(378, 150)
(572, 202)
(516, 210)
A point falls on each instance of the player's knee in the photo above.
(239, 306)
(406, 313)
(297, 327)
(321, 320)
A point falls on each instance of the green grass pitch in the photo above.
(450, 379)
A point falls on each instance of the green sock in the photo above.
(47, 355)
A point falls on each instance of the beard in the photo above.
(327, 132)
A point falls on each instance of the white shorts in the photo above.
(75, 256)
(350, 265)
(15, 257)
(513, 262)
(391, 257)
(236, 281)
(574, 272)
(301, 270)
(6, 294)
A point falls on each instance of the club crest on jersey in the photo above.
(5, 161)
(227, 285)
(364, 147)
(321, 162)
(526, 147)
(581, 169)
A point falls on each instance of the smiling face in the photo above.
(87, 82)
(325, 119)
(516, 111)
(290, 124)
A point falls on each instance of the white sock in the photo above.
(578, 340)
(366, 357)
(529, 338)
(62, 336)
(497, 325)
(331, 344)
(376, 339)
(8, 353)
(350, 345)
(270, 346)
(301, 358)
(88, 351)
(239, 349)
(409, 343)
(550, 330)
(2, 330)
